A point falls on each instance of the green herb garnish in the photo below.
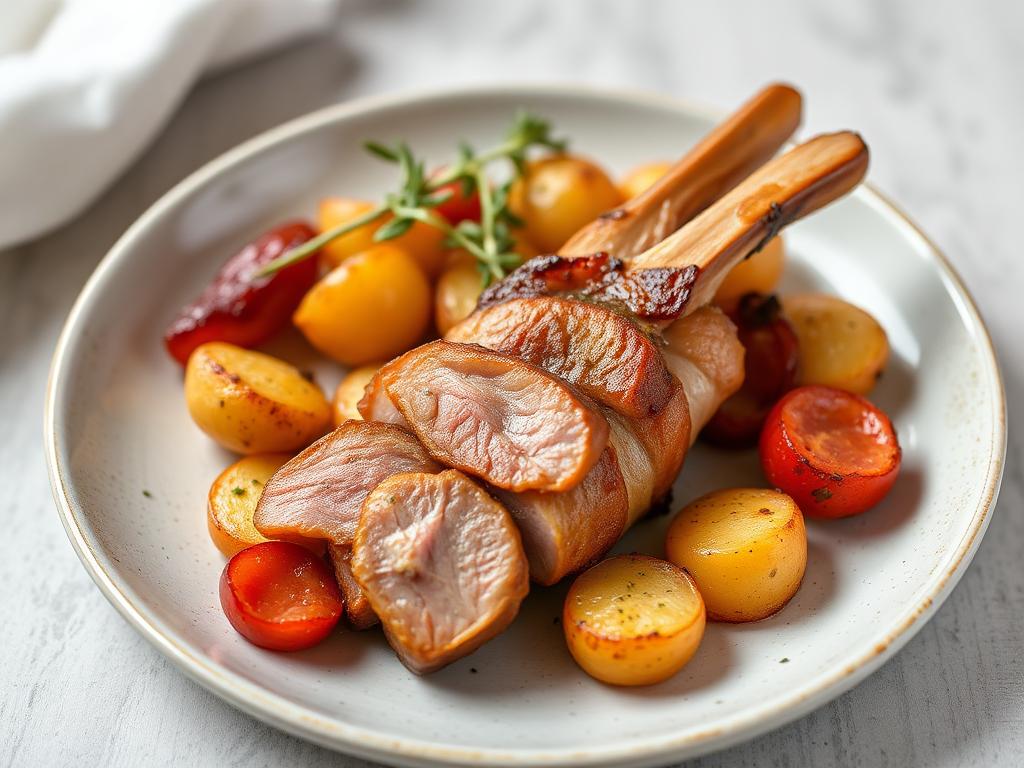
(489, 240)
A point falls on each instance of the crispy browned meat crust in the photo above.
(604, 354)
(657, 294)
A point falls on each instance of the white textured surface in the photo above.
(936, 95)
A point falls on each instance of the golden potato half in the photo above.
(633, 620)
(841, 345)
(253, 403)
(232, 501)
(745, 547)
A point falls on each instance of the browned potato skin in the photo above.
(746, 548)
(253, 403)
(623, 651)
(841, 345)
(232, 500)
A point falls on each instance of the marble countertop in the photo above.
(936, 88)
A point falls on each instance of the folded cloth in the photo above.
(86, 84)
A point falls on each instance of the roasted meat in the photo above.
(704, 354)
(655, 294)
(574, 391)
(504, 420)
(563, 532)
(441, 563)
(358, 612)
(602, 353)
(320, 493)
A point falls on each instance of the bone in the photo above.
(722, 159)
(784, 190)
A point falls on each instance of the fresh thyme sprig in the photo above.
(490, 240)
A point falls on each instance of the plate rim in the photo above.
(295, 719)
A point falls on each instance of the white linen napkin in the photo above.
(86, 84)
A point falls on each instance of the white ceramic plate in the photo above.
(116, 425)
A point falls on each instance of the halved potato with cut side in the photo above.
(745, 547)
(841, 345)
(253, 403)
(633, 620)
(232, 501)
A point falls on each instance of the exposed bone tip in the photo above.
(780, 88)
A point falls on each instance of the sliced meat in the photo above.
(602, 353)
(565, 532)
(320, 492)
(357, 608)
(502, 419)
(442, 565)
(376, 405)
(704, 352)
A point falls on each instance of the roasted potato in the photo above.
(557, 195)
(840, 345)
(424, 243)
(333, 212)
(232, 502)
(456, 292)
(253, 403)
(350, 392)
(374, 306)
(633, 620)
(745, 547)
(642, 178)
(758, 274)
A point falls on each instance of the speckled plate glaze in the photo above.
(116, 426)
